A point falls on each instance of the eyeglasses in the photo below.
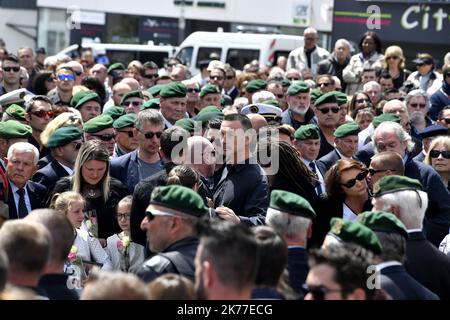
(150, 134)
(293, 79)
(50, 79)
(151, 215)
(373, 171)
(171, 64)
(129, 133)
(193, 90)
(43, 113)
(104, 137)
(318, 292)
(417, 105)
(68, 77)
(8, 69)
(150, 76)
(392, 57)
(325, 84)
(125, 216)
(133, 103)
(216, 78)
(361, 176)
(437, 153)
(361, 100)
(326, 110)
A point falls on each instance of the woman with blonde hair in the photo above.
(102, 193)
(394, 65)
(438, 156)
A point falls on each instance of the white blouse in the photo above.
(135, 254)
(90, 249)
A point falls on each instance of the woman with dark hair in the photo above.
(43, 82)
(102, 193)
(94, 84)
(369, 57)
(347, 196)
(360, 100)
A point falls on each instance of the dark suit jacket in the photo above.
(37, 194)
(45, 161)
(366, 153)
(420, 157)
(327, 161)
(49, 175)
(428, 265)
(298, 268)
(401, 286)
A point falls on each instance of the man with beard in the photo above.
(298, 100)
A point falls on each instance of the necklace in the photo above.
(91, 193)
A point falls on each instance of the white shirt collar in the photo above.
(414, 230)
(14, 188)
(348, 214)
(341, 155)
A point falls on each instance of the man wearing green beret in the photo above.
(170, 224)
(393, 277)
(298, 100)
(342, 101)
(132, 101)
(89, 104)
(346, 146)
(125, 139)
(12, 131)
(173, 102)
(209, 96)
(15, 112)
(254, 86)
(116, 72)
(64, 145)
(101, 128)
(115, 112)
(291, 216)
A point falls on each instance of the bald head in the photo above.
(257, 120)
(132, 83)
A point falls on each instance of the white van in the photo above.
(237, 49)
(124, 52)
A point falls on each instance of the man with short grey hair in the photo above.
(336, 62)
(417, 101)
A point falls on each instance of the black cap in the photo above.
(41, 50)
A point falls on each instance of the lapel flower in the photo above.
(123, 242)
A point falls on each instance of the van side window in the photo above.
(204, 53)
(237, 58)
(185, 55)
(278, 54)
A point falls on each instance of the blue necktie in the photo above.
(313, 169)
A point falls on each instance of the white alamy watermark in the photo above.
(374, 20)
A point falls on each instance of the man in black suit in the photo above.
(24, 195)
(64, 144)
(346, 143)
(424, 261)
(392, 234)
(291, 216)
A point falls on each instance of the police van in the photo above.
(237, 49)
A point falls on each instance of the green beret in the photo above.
(355, 232)
(86, 97)
(291, 203)
(285, 83)
(187, 124)
(255, 85)
(328, 97)
(16, 111)
(115, 66)
(385, 117)
(347, 129)
(341, 97)
(390, 184)
(98, 123)
(151, 104)
(179, 198)
(127, 120)
(298, 87)
(132, 94)
(209, 88)
(272, 102)
(209, 113)
(115, 112)
(13, 129)
(380, 221)
(307, 131)
(315, 93)
(155, 90)
(173, 90)
(63, 136)
(77, 97)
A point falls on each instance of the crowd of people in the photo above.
(307, 179)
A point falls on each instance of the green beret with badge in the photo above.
(155, 90)
(328, 97)
(255, 85)
(115, 66)
(285, 83)
(346, 129)
(307, 131)
(385, 117)
(341, 97)
(17, 112)
(381, 221)
(13, 129)
(153, 103)
(209, 113)
(187, 124)
(63, 136)
(355, 232)
(125, 121)
(85, 97)
(298, 87)
(132, 94)
(208, 89)
(173, 90)
(98, 123)
(391, 184)
(291, 203)
(179, 198)
(115, 112)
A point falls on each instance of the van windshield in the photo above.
(205, 53)
(238, 58)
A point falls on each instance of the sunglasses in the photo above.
(104, 137)
(125, 216)
(150, 134)
(373, 171)
(129, 133)
(43, 113)
(77, 145)
(318, 292)
(437, 153)
(193, 90)
(77, 73)
(68, 77)
(133, 103)
(171, 64)
(216, 78)
(293, 79)
(150, 76)
(361, 100)
(417, 105)
(351, 183)
(325, 84)
(8, 69)
(326, 110)
(151, 215)
(50, 79)
(230, 77)
(392, 57)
